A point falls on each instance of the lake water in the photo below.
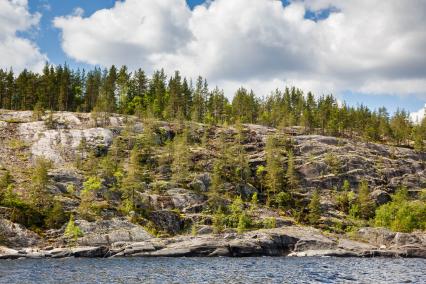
(214, 270)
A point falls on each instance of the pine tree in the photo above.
(291, 177)
(132, 182)
(400, 126)
(274, 171)
(40, 195)
(364, 201)
(314, 208)
(242, 170)
(181, 157)
(123, 85)
(198, 103)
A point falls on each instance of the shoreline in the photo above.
(290, 241)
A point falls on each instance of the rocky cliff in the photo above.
(178, 217)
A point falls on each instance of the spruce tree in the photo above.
(40, 195)
(314, 208)
(291, 177)
(181, 157)
(274, 171)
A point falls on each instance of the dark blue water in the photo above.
(214, 270)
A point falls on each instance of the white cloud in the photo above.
(369, 46)
(134, 32)
(15, 51)
(418, 116)
(78, 12)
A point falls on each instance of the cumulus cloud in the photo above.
(133, 32)
(418, 116)
(15, 51)
(369, 46)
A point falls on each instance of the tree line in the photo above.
(59, 88)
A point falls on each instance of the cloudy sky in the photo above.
(363, 51)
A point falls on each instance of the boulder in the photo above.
(106, 232)
(183, 198)
(15, 235)
(380, 197)
(376, 236)
(167, 221)
(197, 185)
(246, 190)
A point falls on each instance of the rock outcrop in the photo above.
(320, 162)
(15, 235)
(287, 241)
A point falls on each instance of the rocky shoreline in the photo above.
(290, 241)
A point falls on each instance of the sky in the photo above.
(369, 52)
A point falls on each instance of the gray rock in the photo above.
(16, 235)
(197, 185)
(167, 221)
(106, 232)
(246, 190)
(380, 197)
(183, 198)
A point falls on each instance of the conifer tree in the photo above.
(290, 174)
(242, 170)
(40, 196)
(314, 208)
(274, 171)
(181, 157)
(364, 201)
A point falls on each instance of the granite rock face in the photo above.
(287, 241)
(107, 232)
(320, 162)
(15, 235)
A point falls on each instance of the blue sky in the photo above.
(48, 37)
(265, 43)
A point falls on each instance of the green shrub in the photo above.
(402, 215)
(244, 222)
(270, 223)
(72, 230)
(283, 200)
(314, 208)
(56, 216)
(218, 222)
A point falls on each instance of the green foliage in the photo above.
(242, 171)
(17, 144)
(104, 91)
(274, 171)
(283, 200)
(50, 122)
(181, 158)
(365, 203)
(40, 196)
(218, 221)
(38, 111)
(244, 222)
(237, 206)
(292, 181)
(333, 163)
(56, 216)
(88, 207)
(402, 215)
(314, 208)
(254, 201)
(344, 198)
(5, 182)
(72, 230)
(270, 223)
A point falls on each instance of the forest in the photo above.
(58, 88)
(200, 142)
